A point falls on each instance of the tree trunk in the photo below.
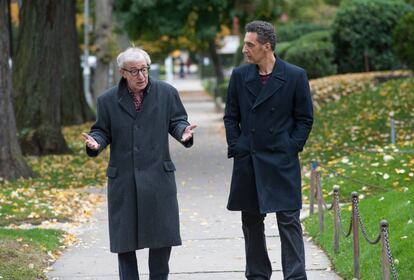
(212, 48)
(38, 74)
(73, 105)
(12, 164)
(104, 43)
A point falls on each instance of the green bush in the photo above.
(206, 71)
(364, 28)
(293, 31)
(222, 90)
(404, 40)
(281, 48)
(314, 52)
(322, 36)
(238, 56)
(315, 57)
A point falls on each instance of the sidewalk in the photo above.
(190, 83)
(213, 246)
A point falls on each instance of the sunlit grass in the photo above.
(351, 142)
(24, 254)
(54, 196)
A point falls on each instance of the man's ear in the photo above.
(122, 72)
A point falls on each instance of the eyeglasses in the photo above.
(135, 72)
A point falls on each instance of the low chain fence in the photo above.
(356, 225)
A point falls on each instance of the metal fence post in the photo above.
(392, 124)
(385, 264)
(320, 201)
(355, 234)
(312, 188)
(335, 207)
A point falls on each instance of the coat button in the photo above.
(254, 110)
(271, 130)
(272, 110)
(136, 149)
(253, 130)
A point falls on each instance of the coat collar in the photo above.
(125, 99)
(275, 82)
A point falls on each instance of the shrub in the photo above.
(404, 40)
(314, 52)
(322, 36)
(293, 31)
(222, 90)
(281, 49)
(238, 56)
(366, 26)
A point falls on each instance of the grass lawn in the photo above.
(55, 195)
(351, 140)
(24, 254)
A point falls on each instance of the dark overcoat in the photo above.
(142, 194)
(266, 127)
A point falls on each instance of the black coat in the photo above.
(266, 127)
(142, 194)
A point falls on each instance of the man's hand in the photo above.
(90, 142)
(188, 133)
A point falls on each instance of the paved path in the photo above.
(213, 247)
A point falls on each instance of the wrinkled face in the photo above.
(136, 73)
(253, 50)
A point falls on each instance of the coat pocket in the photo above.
(169, 166)
(111, 171)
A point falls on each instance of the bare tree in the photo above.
(104, 43)
(38, 74)
(73, 106)
(12, 164)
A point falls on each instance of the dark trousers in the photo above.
(157, 261)
(258, 266)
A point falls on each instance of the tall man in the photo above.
(268, 118)
(135, 118)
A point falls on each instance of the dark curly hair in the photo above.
(265, 32)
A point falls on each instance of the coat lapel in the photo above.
(253, 83)
(274, 83)
(125, 99)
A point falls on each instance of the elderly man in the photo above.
(268, 118)
(135, 118)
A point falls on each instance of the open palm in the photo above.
(188, 133)
(90, 142)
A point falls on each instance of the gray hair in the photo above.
(265, 32)
(132, 54)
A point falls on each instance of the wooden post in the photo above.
(385, 264)
(366, 60)
(355, 233)
(336, 219)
